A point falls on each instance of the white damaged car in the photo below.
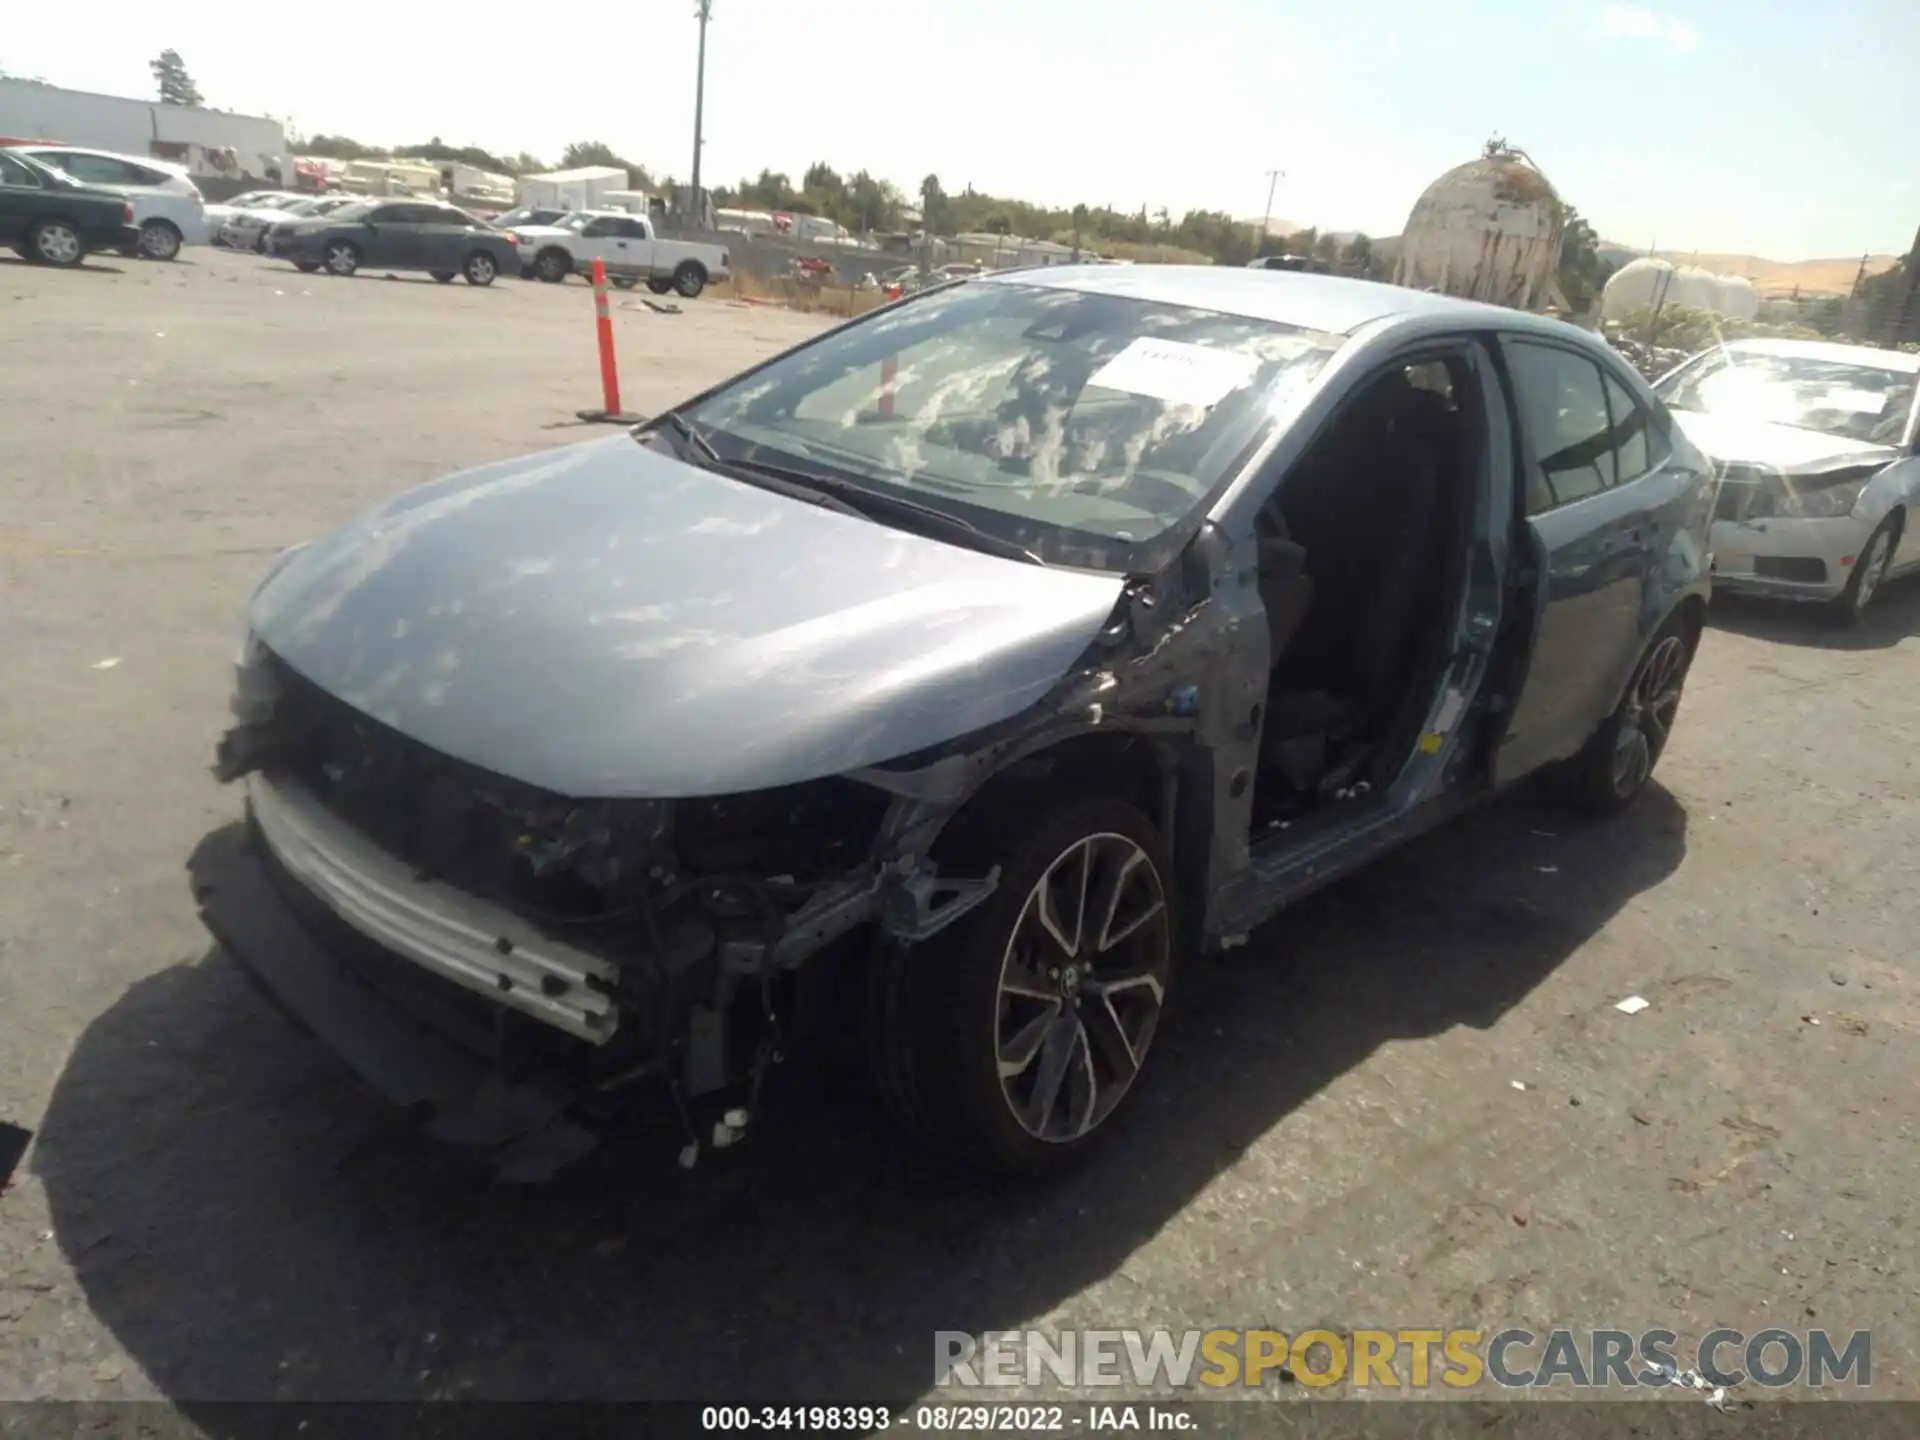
(1815, 449)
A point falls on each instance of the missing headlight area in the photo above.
(585, 946)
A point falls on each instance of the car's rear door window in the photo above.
(97, 169)
(1631, 439)
(1562, 401)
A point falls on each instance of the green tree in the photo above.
(934, 211)
(441, 153)
(1582, 272)
(342, 147)
(1357, 258)
(176, 85)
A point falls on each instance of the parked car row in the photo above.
(168, 211)
(342, 235)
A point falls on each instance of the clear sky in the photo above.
(1782, 128)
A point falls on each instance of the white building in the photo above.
(210, 143)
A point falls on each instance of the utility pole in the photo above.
(703, 12)
(1274, 177)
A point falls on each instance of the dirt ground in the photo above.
(1411, 1102)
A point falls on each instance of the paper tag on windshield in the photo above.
(1860, 402)
(1179, 373)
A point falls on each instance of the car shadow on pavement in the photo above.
(251, 1225)
(93, 266)
(1890, 617)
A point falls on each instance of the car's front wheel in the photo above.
(553, 266)
(1609, 774)
(342, 258)
(1869, 570)
(1017, 1035)
(480, 268)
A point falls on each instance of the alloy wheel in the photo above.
(341, 259)
(159, 242)
(1647, 715)
(1871, 566)
(480, 270)
(1082, 982)
(58, 243)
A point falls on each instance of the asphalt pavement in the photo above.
(1411, 1102)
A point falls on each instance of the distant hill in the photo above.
(1816, 278)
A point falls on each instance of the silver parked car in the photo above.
(948, 680)
(1815, 445)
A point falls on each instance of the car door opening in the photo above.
(1362, 573)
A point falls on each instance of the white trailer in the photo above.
(470, 185)
(580, 189)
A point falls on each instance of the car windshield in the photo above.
(575, 221)
(1082, 427)
(1835, 397)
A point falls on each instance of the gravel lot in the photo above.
(1336, 1133)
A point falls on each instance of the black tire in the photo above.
(660, 287)
(689, 279)
(480, 269)
(306, 267)
(343, 258)
(1610, 772)
(553, 266)
(56, 242)
(445, 277)
(1869, 570)
(941, 1030)
(621, 282)
(160, 240)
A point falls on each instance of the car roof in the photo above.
(1830, 350)
(153, 162)
(1332, 304)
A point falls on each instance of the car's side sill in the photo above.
(1286, 867)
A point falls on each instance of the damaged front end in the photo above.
(582, 954)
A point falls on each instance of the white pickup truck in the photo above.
(628, 247)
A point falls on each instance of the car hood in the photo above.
(543, 232)
(1734, 440)
(603, 621)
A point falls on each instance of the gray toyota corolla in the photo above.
(946, 680)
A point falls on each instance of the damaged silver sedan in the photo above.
(946, 680)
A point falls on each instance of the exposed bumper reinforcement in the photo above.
(455, 1092)
(474, 944)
